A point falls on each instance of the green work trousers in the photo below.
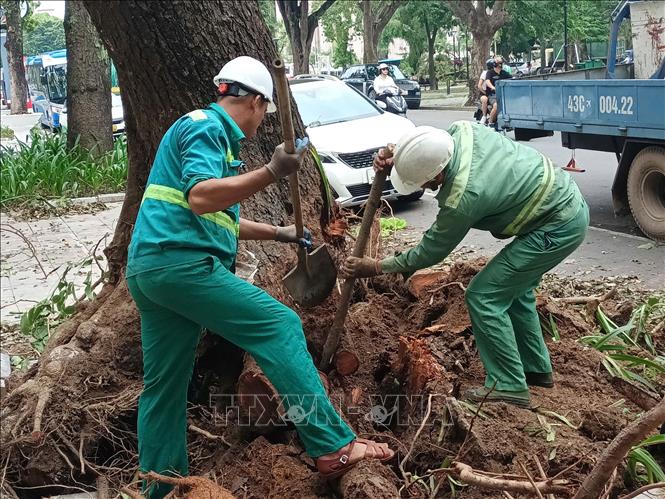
(175, 303)
(502, 304)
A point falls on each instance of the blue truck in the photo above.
(624, 116)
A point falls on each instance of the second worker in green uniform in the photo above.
(489, 182)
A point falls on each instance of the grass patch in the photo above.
(45, 168)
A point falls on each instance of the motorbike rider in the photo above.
(497, 73)
(384, 82)
(482, 88)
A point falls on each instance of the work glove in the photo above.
(380, 161)
(360, 267)
(288, 235)
(282, 164)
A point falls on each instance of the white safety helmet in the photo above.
(420, 155)
(250, 75)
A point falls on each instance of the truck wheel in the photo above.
(646, 191)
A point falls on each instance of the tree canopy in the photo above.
(340, 23)
(43, 33)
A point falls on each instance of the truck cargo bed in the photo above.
(623, 108)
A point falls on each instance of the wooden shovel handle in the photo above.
(373, 203)
(284, 101)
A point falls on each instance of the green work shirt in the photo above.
(199, 146)
(495, 184)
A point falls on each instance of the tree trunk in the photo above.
(479, 52)
(88, 83)
(483, 25)
(14, 46)
(84, 390)
(370, 39)
(433, 82)
(300, 26)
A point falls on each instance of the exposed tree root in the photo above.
(615, 452)
(468, 475)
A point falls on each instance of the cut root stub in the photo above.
(415, 364)
(346, 362)
(420, 282)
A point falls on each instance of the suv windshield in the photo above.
(326, 102)
(373, 72)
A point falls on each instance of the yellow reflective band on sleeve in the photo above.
(531, 208)
(174, 196)
(462, 177)
(229, 156)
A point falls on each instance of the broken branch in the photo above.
(579, 300)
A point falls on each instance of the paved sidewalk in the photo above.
(56, 243)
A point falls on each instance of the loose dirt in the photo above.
(416, 351)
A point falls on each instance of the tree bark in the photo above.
(376, 16)
(431, 39)
(300, 27)
(482, 24)
(14, 46)
(88, 83)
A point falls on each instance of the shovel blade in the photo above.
(310, 282)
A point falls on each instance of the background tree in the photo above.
(275, 26)
(14, 46)
(376, 15)
(88, 83)
(43, 33)
(300, 26)
(483, 20)
(340, 23)
(419, 22)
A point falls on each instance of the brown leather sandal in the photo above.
(335, 465)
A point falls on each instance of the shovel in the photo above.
(373, 203)
(312, 279)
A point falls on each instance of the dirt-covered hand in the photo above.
(383, 159)
(360, 267)
(288, 235)
(282, 164)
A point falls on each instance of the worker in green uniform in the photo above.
(488, 182)
(179, 272)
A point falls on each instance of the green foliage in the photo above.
(43, 33)
(391, 225)
(6, 132)
(275, 26)
(642, 467)
(530, 22)
(414, 21)
(44, 167)
(629, 351)
(38, 322)
(340, 23)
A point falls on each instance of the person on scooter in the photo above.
(497, 73)
(482, 88)
(384, 82)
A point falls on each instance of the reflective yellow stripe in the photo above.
(174, 196)
(530, 210)
(462, 177)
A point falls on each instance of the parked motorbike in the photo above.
(392, 101)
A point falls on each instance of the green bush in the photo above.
(6, 132)
(45, 168)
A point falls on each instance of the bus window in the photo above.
(57, 83)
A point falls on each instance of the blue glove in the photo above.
(302, 145)
(288, 235)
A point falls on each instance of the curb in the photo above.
(447, 108)
(117, 197)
